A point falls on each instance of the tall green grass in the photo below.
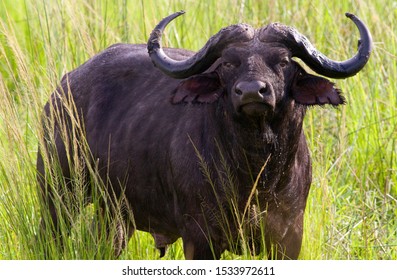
(352, 207)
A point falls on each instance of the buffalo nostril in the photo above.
(263, 90)
(252, 88)
(238, 91)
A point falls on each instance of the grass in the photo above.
(352, 207)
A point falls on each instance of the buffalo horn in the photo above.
(204, 58)
(301, 47)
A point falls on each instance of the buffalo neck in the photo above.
(263, 141)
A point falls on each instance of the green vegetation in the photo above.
(352, 207)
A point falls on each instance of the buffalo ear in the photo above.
(202, 88)
(313, 90)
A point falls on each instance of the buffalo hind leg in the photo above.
(124, 232)
(114, 228)
(51, 223)
(55, 220)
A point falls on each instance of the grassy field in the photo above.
(352, 206)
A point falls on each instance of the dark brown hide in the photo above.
(151, 135)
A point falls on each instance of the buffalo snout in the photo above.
(253, 97)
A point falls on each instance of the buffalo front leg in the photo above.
(199, 250)
(283, 236)
(197, 242)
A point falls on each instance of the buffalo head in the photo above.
(254, 67)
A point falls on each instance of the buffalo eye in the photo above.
(284, 63)
(229, 65)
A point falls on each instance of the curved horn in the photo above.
(302, 48)
(204, 58)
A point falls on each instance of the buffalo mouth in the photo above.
(255, 108)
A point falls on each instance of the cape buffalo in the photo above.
(205, 146)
